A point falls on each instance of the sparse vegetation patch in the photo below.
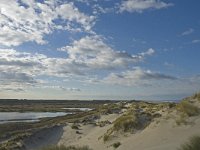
(74, 126)
(116, 145)
(188, 108)
(126, 123)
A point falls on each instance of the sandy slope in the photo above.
(162, 134)
(90, 134)
(49, 136)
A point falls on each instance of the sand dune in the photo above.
(90, 134)
(161, 134)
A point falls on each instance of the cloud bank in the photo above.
(20, 19)
(142, 5)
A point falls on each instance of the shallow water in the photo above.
(6, 117)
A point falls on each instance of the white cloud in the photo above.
(23, 70)
(98, 9)
(188, 32)
(150, 51)
(196, 41)
(57, 87)
(86, 56)
(141, 5)
(94, 53)
(72, 89)
(136, 76)
(71, 13)
(28, 20)
(13, 89)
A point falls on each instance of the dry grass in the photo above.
(187, 108)
(197, 96)
(126, 123)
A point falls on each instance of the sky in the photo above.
(99, 49)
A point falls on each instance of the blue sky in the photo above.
(94, 49)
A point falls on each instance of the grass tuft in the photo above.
(126, 123)
(116, 145)
(106, 137)
(188, 108)
(75, 127)
(197, 96)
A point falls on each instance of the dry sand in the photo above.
(90, 134)
(161, 134)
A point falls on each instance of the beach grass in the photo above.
(188, 108)
(126, 123)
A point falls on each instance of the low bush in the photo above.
(116, 145)
(75, 127)
(193, 144)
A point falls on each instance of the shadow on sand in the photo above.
(44, 137)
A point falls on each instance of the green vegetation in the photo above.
(137, 117)
(74, 126)
(193, 144)
(187, 108)
(103, 123)
(116, 145)
(66, 148)
(197, 96)
(106, 137)
(126, 123)
(110, 108)
(129, 122)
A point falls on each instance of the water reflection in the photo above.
(6, 117)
